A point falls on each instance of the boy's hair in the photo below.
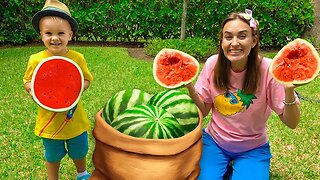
(54, 8)
(223, 65)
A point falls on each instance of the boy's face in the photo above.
(55, 33)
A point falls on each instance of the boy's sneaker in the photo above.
(84, 177)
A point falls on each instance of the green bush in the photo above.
(199, 48)
(284, 20)
(15, 21)
(142, 20)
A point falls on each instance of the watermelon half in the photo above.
(57, 84)
(173, 68)
(296, 63)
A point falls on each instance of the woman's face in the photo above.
(237, 41)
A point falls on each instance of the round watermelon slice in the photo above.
(57, 84)
(296, 63)
(173, 68)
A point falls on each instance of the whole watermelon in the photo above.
(147, 121)
(180, 105)
(122, 100)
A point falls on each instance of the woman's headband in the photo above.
(248, 16)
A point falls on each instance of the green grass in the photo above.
(296, 153)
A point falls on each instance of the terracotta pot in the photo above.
(118, 156)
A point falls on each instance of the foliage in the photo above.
(15, 21)
(199, 48)
(285, 20)
(280, 20)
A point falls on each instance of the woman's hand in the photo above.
(291, 115)
(204, 107)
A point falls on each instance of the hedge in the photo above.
(141, 20)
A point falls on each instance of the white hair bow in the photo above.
(248, 16)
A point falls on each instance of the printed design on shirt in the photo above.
(231, 103)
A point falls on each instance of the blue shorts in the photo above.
(55, 150)
(252, 164)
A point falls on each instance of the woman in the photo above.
(236, 85)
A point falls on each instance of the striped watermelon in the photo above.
(180, 105)
(147, 121)
(122, 100)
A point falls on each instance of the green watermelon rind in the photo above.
(180, 105)
(149, 122)
(171, 51)
(46, 60)
(122, 100)
(288, 47)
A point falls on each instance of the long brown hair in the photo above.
(223, 65)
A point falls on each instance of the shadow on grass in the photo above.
(275, 175)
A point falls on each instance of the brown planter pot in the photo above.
(118, 156)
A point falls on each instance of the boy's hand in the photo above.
(86, 84)
(27, 87)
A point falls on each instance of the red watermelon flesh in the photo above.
(173, 68)
(296, 63)
(57, 84)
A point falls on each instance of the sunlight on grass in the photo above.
(295, 152)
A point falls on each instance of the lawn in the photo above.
(296, 153)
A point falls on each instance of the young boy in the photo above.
(56, 27)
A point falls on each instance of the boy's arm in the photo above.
(86, 84)
(27, 87)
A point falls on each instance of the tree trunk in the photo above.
(24, 16)
(183, 20)
(314, 32)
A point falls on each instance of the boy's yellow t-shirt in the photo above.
(55, 125)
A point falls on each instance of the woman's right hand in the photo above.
(204, 107)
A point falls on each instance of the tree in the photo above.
(183, 20)
(314, 32)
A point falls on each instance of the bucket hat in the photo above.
(54, 8)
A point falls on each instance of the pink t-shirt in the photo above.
(239, 120)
